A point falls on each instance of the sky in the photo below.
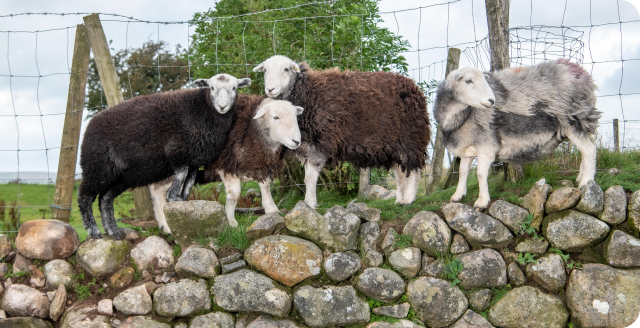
(430, 29)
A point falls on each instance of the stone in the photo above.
(426, 260)
(572, 231)
(143, 322)
(398, 311)
(479, 300)
(146, 275)
(613, 171)
(265, 225)
(565, 183)
(400, 324)
(601, 296)
(8, 282)
(182, 298)
(105, 307)
(369, 234)
(151, 286)
(197, 261)
(471, 319)
(231, 258)
(183, 325)
(533, 246)
(528, 307)
(622, 250)
(535, 201)
(406, 261)
(562, 199)
(436, 302)
(3, 315)
(134, 301)
(382, 284)
(47, 239)
(511, 215)
(337, 230)
(592, 201)
(25, 322)
(84, 318)
(615, 205)
(21, 264)
(5, 245)
(434, 269)
(459, 245)
(4, 268)
(122, 277)
(37, 277)
(341, 266)
(51, 295)
(516, 277)
(483, 268)
(166, 276)
(235, 266)
(59, 272)
(549, 272)
(288, 260)
(330, 305)
(477, 228)
(364, 212)
(24, 301)
(213, 320)
(429, 233)
(375, 192)
(265, 321)
(152, 252)
(634, 213)
(388, 242)
(193, 219)
(389, 195)
(11, 256)
(102, 256)
(129, 235)
(57, 305)
(245, 290)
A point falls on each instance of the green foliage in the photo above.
(83, 292)
(498, 293)
(17, 274)
(177, 251)
(203, 240)
(451, 270)
(569, 325)
(137, 275)
(79, 276)
(402, 241)
(429, 89)
(234, 237)
(526, 258)
(571, 264)
(527, 228)
(383, 318)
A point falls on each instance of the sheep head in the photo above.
(471, 88)
(223, 90)
(278, 119)
(279, 76)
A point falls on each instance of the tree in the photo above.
(139, 73)
(350, 40)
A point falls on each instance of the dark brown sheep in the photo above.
(150, 138)
(370, 119)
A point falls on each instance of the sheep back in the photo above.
(371, 119)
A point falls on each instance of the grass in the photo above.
(402, 241)
(498, 293)
(236, 237)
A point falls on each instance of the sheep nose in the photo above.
(492, 102)
(222, 107)
(296, 142)
(270, 89)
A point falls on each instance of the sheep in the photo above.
(516, 115)
(253, 151)
(370, 119)
(149, 138)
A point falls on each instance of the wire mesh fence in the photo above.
(29, 143)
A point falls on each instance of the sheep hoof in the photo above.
(115, 235)
(455, 199)
(174, 199)
(95, 235)
(233, 223)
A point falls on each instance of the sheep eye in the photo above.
(469, 81)
(276, 118)
(286, 69)
(234, 88)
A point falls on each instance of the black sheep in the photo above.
(150, 138)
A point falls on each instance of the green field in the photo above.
(34, 199)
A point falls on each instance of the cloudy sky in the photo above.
(429, 29)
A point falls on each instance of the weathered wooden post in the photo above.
(113, 93)
(453, 61)
(498, 22)
(363, 183)
(616, 135)
(63, 197)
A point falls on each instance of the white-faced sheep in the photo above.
(253, 151)
(516, 116)
(370, 119)
(150, 138)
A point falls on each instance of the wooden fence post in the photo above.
(63, 197)
(113, 93)
(435, 178)
(363, 184)
(616, 135)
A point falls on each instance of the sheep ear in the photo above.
(260, 113)
(259, 68)
(295, 67)
(299, 109)
(244, 82)
(458, 76)
(201, 83)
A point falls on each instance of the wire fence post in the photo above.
(113, 93)
(363, 184)
(616, 135)
(453, 61)
(63, 197)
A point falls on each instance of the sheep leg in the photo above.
(158, 192)
(106, 210)
(232, 185)
(311, 174)
(188, 183)
(484, 164)
(411, 187)
(85, 203)
(267, 201)
(588, 165)
(400, 184)
(461, 190)
(173, 195)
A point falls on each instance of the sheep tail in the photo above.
(587, 119)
